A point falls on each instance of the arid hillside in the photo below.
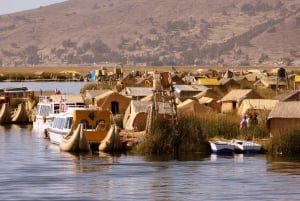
(154, 33)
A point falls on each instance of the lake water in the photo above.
(64, 87)
(34, 169)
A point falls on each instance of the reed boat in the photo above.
(112, 140)
(5, 112)
(95, 125)
(13, 102)
(75, 141)
(20, 115)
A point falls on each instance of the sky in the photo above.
(12, 6)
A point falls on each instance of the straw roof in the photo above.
(288, 109)
(67, 98)
(208, 93)
(193, 106)
(256, 104)
(288, 96)
(236, 94)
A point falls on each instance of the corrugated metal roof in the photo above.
(289, 109)
(297, 78)
(209, 81)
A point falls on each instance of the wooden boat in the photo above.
(246, 147)
(5, 112)
(95, 125)
(221, 147)
(75, 141)
(45, 111)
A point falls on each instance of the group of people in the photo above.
(248, 120)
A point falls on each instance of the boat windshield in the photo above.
(62, 122)
(43, 110)
(69, 122)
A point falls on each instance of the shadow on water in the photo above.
(284, 165)
(178, 157)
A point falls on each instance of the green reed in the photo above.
(286, 144)
(168, 137)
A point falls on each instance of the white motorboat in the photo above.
(47, 108)
(221, 147)
(95, 125)
(246, 147)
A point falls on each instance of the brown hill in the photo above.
(156, 32)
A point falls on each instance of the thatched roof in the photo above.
(288, 95)
(193, 106)
(256, 105)
(111, 96)
(137, 91)
(89, 94)
(204, 100)
(236, 94)
(269, 81)
(288, 109)
(208, 93)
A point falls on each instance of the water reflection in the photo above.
(284, 165)
(35, 169)
(177, 157)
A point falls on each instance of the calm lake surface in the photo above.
(64, 87)
(34, 169)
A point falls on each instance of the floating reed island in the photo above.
(172, 111)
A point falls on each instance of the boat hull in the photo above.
(246, 147)
(56, 136)
(39, 126)
(220, 148)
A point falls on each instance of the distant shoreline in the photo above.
(87, 69)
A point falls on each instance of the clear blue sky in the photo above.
(12, 6)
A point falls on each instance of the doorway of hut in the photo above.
(115, 107)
